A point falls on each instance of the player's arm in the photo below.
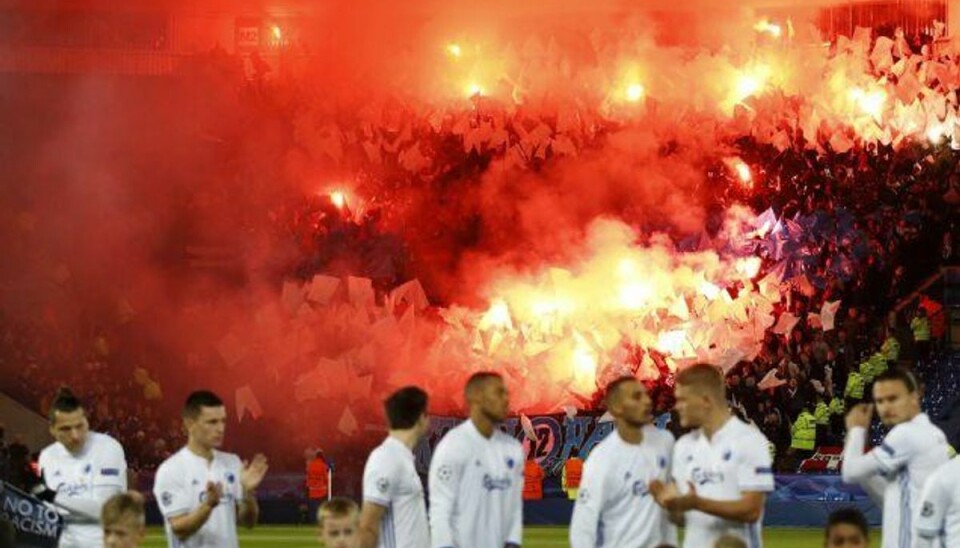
(379, 481)
(176, 503)
(747, 509)
(515, 527)
(371, 515)
(934, 504)
(446, 470)
(586, 510)
(860, 467)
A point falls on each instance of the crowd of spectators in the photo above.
(875, 222)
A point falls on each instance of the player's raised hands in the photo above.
(253, 472)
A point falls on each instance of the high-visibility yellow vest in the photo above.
(804, 432)
(921, 329)
(855, 385)
(821, 414)
(837, 406)
(891, 349)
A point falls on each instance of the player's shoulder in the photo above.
(52, 452)
(748, 435)
(601, 451)
(658, 436)
(105, 442)
(176, 463)
(947, 472)
(503, 438)
(382, 456)
(688, 440)
(231, 460)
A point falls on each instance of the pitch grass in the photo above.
(534, 537)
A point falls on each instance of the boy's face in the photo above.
(125, 533)
(339, 532)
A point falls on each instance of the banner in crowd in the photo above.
(824, 460)
(549, 439)
(37, 525)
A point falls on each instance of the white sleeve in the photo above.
(379, 480)
(169, 488)
(446, 471)
(896, 449)
(585, 522)
(934, 504)
(755, 470)
(515, 528)
(857, 466)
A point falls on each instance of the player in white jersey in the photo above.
(939, 518)
(202, 491)
(476, 475)
(394, 512)
(910, 452)
(614, 506)
(721, 470)
(80, 471)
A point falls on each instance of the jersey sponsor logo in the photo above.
(72, 489)
(703, 476)
(491, 483)
(640, 488)
(109, 471)
(662, 462)
(927, 510)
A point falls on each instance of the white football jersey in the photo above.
(390, 480)
(938, 523)
(97, 473)
(909, 454)
(180, 487)
(614, 506)
(476, 489)
(734, 461)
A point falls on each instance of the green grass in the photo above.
(534, 537)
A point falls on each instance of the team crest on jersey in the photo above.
(166, 498)
(662, 461)
(640, 488)
(383, 485)
(927, 510)
(87, 468)
(627, 476)
(510, 463)
(727, 454)
(230, 477)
